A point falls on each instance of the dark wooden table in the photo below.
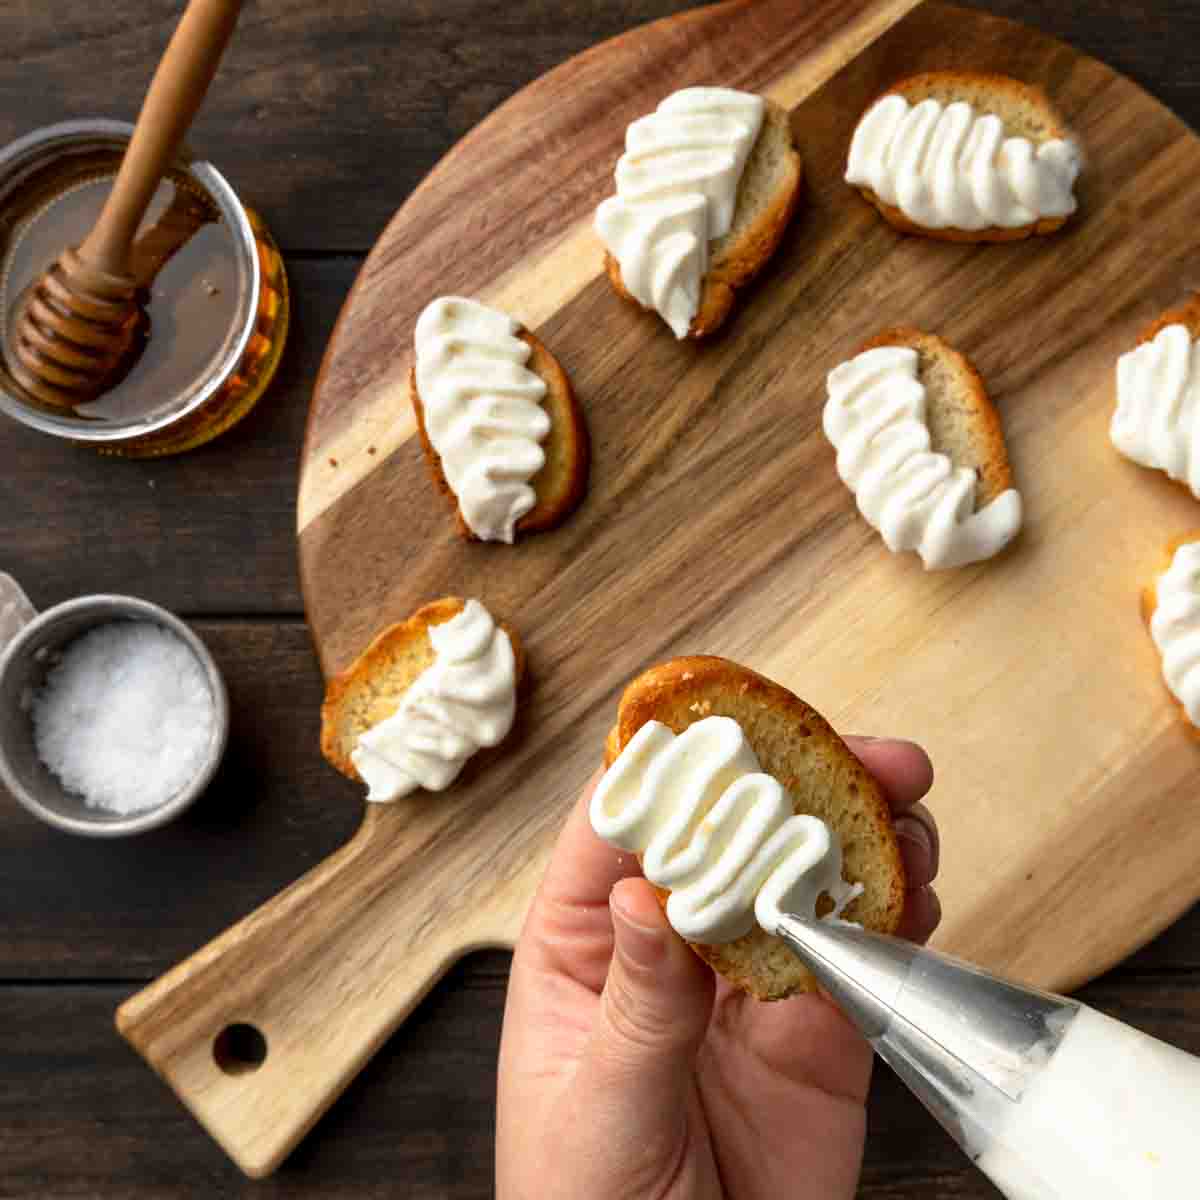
(324, 116)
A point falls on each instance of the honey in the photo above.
(212, 286)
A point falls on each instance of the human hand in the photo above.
(627, 1069)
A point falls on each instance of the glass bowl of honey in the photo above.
(211, 280)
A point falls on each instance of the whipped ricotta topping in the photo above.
(717, 831)
(677, 188)
(914, 496)
(464, 701)
(1157, 420)
(483, 412)
(1175, 627)
(951, 167)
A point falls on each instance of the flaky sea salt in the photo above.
(125, 717)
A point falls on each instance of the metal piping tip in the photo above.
(963, 1025)
(864, 973)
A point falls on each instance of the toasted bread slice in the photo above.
(796, 745)
(767, 196)
(1187, 314)
(1026, 112)
(1150, 605)
(562, 481)
(370, 689)
(963, 423)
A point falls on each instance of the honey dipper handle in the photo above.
(261, 1030)
(175, 93)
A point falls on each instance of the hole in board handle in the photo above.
(239, 1049)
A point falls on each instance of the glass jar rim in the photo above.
(38, 146)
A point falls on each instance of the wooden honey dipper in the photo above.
(82, 324)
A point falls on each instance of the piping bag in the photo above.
(1050, 1099)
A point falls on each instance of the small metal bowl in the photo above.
(23, 667)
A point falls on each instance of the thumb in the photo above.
(653, 1014)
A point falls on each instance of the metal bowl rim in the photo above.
(113, 606)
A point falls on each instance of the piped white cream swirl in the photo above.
(483, 412)
(951, 167)
(716, 831)
(1175, 627)
(677, 188)
(464, 701)
(914, 496)
(1157, 420)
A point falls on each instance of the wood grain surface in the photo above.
(716, 523)
(324, 117)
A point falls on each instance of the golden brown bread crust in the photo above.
(1186, 313)
(395, 656)
(988, 452)
(898, 221)
(736, 264)
(819, 771)
(561, 483)
(1150, 603)
(976, 87)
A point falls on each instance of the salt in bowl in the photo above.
(24, 664)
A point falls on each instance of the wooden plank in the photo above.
(540, 252)
(355, 102)
(76, 908)
(80, 1115)
(1141, 41)
(773, 567)
(402, 82)
(206, 532)
(1176, 948)
(307, 99)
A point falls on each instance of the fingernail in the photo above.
(871, 740)
(914, 830)
(642, 946)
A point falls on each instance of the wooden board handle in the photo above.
(261, 1030)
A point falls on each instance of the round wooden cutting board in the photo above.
(1067, 790)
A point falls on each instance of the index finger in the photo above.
(905, 773)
